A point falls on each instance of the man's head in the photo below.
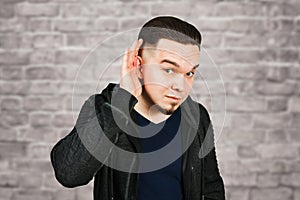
(168, 56)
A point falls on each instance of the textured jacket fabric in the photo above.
(85, 154)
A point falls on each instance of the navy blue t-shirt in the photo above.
(164, 183)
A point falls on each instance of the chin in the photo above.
(168, 110)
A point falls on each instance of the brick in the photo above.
(42, 56)
(297, 194)
(289, 55)
(295, 120)
(11, 103)
(85, 192)
(278, 193)
(277, 104)
(201, 10)
(72, 25)
(294, 72)
(6, 193)
(244, 55)
(50, 182)
(268, 180)
(277, 136)
(225, 9)
(227, 167)
(234, 40)
(39, 151)
(281, 25)
(256, 26)
(277, 74)
(12, 73)
(9, 41)
(132, 9)
(16, 87)
(209, 74)
(237, 193)
(281, 39)
(271, 120)
(208, 87)
(171, 9)
(268, 55)
(8, 180)
(235, 136)
(40, 25)
(40, 119)
(13, 25)
(69, 194)
(14, 58)
(294, 136)
(211, 40)
(8, 134)
(247, 72)
(47, 103)
(32, 194)
(247, 152)
(275, 88)
(291, 179)
(240, 180)
(227, 153)
(38, 134)
(93, 10)
(270, 166)
(107, 24)
(290, 9)
(70, 56)
(239, 88)
(297, 25)
(246, 104)
(240, 120)
(218, 56)
(34, 10)
(30, 180)
(12, 149)
(43, 88)
(6, 10)
(132, 23)
(30, 165)
(44, 73)
(48, 41)
(63, 120)
(272, 151)
(13, 118)
(212, 25)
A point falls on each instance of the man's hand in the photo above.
(129, 72)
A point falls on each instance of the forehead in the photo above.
(174, 50)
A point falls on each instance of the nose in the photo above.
(178, 83)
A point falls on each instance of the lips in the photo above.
(173, 98)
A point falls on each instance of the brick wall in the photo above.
(254, 45)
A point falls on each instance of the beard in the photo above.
(166, 111)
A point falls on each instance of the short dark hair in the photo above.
(169, 27)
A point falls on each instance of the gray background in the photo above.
(255, 45)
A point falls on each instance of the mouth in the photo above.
(173, 98)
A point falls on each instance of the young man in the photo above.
(145, 138)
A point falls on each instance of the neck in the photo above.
(149, 110)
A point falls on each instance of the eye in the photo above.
(169, 71)
(190, 74)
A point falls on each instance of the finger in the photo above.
(125, 61)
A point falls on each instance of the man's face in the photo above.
(168, 73)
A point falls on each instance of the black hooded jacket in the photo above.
(92, 149)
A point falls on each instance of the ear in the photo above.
(139, 67)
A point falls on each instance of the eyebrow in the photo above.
(175, 64)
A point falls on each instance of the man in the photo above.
(145, 138)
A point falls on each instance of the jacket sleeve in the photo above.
(213, 186)
(74, 158)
